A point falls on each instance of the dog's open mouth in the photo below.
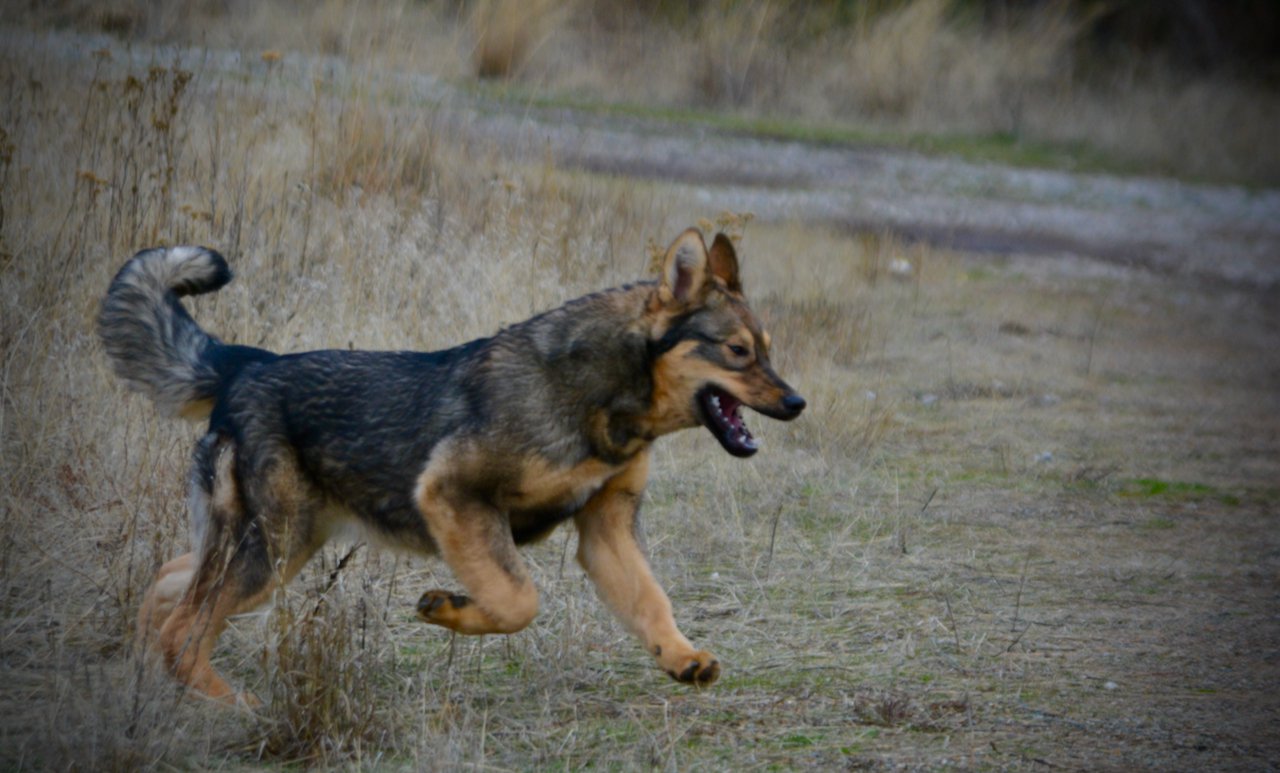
(722, 415)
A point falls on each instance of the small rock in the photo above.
(869, 395)
(1044, 456)
(928, 399)
(901, 268)
(1110, 686)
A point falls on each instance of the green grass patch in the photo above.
(1151, 487)
(978, 274)
(798, 741)
(1176, 490)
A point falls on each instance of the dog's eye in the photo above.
(738, 350)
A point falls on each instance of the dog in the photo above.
(464, 453)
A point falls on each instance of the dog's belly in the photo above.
(534, 525)
(399, 526)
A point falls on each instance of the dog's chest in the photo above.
(540, 486)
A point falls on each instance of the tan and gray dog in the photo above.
(465, 453)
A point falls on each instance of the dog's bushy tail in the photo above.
(153, 343)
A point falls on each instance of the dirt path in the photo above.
(1219, 233)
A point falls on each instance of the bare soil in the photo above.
(1219, 233)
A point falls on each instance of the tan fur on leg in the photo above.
(170, 584)
(475, 541)
(610, 554)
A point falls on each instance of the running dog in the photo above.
(465, 453)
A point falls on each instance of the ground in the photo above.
(1028, 521)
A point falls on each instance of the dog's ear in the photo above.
(684, 269)
(723, 261)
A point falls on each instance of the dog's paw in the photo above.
(247, 701)
(440, 607)
(700, 668)
(241, 701)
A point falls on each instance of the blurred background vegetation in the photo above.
(1187, 88)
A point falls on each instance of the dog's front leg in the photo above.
(475, 541)
(610, 553)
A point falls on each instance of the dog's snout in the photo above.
(793, 404)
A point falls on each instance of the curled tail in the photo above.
(153, 343)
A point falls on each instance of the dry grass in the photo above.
(894, 580)
(508, 32)
(916, 64)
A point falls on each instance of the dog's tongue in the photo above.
(725, 422)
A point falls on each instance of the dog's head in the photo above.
(711, 353)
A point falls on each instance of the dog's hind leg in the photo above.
(610, 553)
(194, 594)
(175, 576)
(475, 541)
(258, 532)
(170, 584)
(191, 631)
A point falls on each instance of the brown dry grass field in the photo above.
(1028, 521)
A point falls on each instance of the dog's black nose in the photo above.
(793, 403)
